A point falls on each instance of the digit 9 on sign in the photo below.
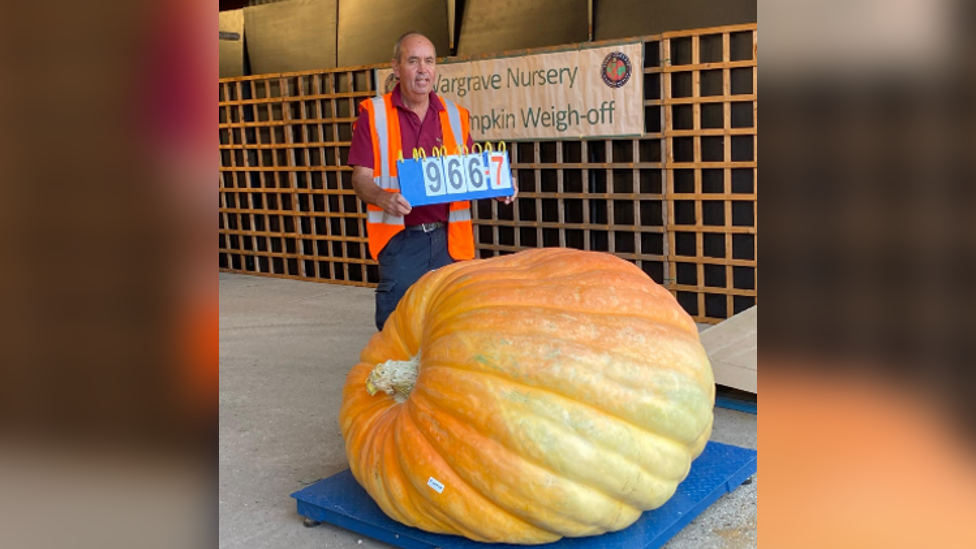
(433, 178)
(433, 172)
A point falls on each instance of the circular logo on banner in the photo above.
(617, 70)
(391, 82)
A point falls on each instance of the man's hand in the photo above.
(369, 192)
(394, 204)
(509, 199)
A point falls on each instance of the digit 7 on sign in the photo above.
(499, 168)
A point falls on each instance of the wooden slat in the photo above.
(702, 290)
(698, 67)
(282, 100)
(293, 277)
(297, 236)
(337, 215)
(744, 98)
(300, 257)
(276, 123)
(286, 169)
(299, 191)
(569, 226)
(726, 29)
(711, 132)
(287, 146)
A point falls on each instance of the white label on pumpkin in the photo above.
(436, 485)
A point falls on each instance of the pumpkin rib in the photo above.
(583, 280)
(372, 444)
(556, 426)
(657, 436)
(359, 410)
(550, 391)
(403, 325)
(371, 419)
(664, 440)
(578, 264)
(466, 367)
(431, 339)
(487, 497)
(524, 275)
(446, 328)
(392, 471)
(668, 485)
(676, 366)
(447, 523)
(589, 528)
(417, 424)
(451, 284)
(491, 306)
(381, 440)
(679, 354)
(550, 256)
(578, 528)
(540, 256)
(699, 445)
(417, 503)
(565, 308)
(358, 415)
(380, 431)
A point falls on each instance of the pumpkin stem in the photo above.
(394, 377)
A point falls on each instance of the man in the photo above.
(409, 242)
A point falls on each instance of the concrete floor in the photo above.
(285, 349)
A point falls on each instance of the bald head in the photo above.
(415, 66)
(410, 37)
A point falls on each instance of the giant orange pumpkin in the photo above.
(525, 398)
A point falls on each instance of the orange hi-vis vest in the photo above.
(384, 123)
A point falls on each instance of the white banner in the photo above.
(563, 95)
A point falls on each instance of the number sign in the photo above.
(455, 177)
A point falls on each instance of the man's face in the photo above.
(416, 68)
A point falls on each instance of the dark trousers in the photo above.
(408, 256)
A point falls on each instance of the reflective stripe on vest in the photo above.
(380, 175)
(460, 215)
(454, 116)
(381, 227)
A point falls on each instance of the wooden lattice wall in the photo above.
(287, 207)
(710, 131)
(681, 202)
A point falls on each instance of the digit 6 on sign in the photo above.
(455, 176)
(476, 171)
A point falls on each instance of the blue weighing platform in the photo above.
(734, 399)
(741, 405)
(719, 470)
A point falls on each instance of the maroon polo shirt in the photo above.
(414, 134)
